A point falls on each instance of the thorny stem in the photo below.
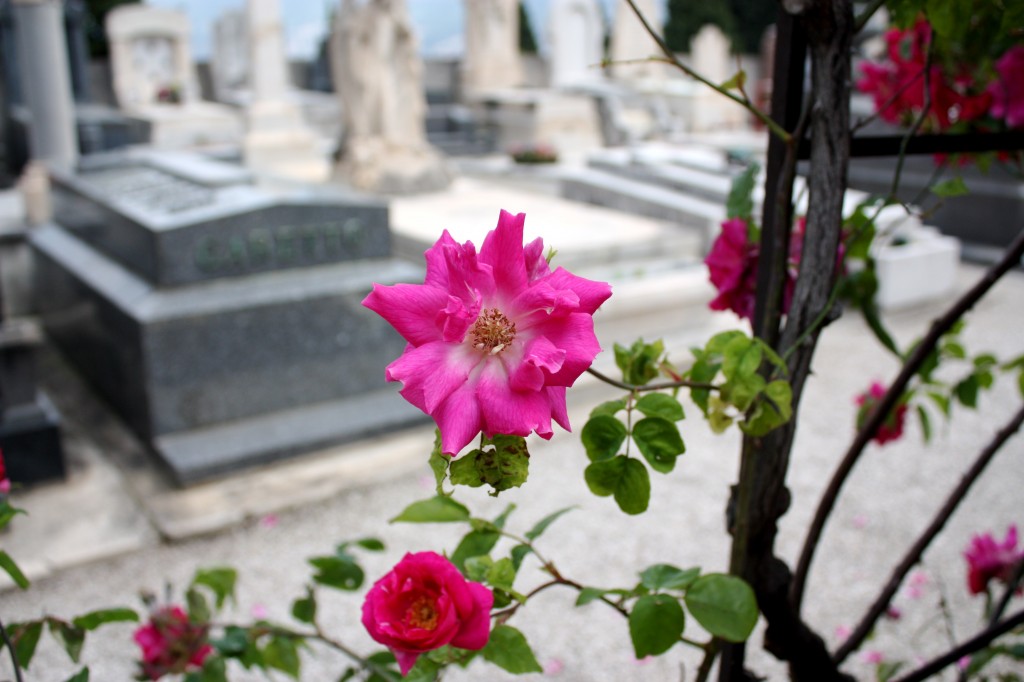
(913, 363)
(913, 555)
(968, 647)
(660, 386)
(10, 648)
(671, 58)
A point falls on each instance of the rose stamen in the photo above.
(422, 614)
(493, 332)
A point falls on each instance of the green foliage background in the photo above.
(744, 21)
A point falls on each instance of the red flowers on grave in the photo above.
(423, 604)
(892, 428)
(989, 560)
(171, 644)
(494, 338)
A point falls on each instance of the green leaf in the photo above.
(625, 478)
(954, 350)
(941, 401)
(602, 437)
(425, 670)
(741, 358)
(667, 577)
(660, 405)
(438, 509)
(589, 594)
(198, 609)
(81, 676)
(234, 642)
(499, 521)
(926, 423)
(11, 568)
(220, 580)
(655, 624)
(639, 362)
(659, 442)
(967, 391)
(502, 574)
(281, 654)
(339, 572)
(519, 553)
(736, 82)
(477, 567)
(770, 414)
(70, 637)
(740, 203)
(954, 187)
(543, 524)
(438, 463)
(304, 609)
(25, 637)
(371, 544)
(702, 372)
(502, 463)
(724, 605)
(94, 619)
(609, 408)
(887, 670)
(507, 648)
(474, 543)
(214, 670)
(949, 18)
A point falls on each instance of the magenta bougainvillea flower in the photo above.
(892, 428)
(732, 266)
(5, 483)
(494, 338)
(171, 643)
(989, 560)
(423, 604)
(1007, 90)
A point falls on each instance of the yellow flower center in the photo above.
(493, 332)
(422, 614)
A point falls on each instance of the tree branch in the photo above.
(914, 361)
(913, 554)
(14, 654)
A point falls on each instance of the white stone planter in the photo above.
(917, 268)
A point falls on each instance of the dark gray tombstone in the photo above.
(225, 325)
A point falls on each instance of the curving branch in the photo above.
(14, 655)
(915, 360)
(913, 554)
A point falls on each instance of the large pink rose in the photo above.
(494, 338)
(988, 560)
(423, 604)
(1008, 89)
(892, 428)
(171, 643)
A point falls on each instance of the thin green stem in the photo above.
(14, 654)
(646, 388)
(671, 58)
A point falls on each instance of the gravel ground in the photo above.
(890, 497)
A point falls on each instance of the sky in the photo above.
(439, 22)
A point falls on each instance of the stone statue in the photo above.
(378, 76)
(492, 45)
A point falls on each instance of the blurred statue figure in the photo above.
(378, 76)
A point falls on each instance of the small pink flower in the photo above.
(859, 521)
(554, 666)
(732, 267)
(259, 611)
(1007, 90)
(171, 643)
(892, 428)
(964, 662)
(494, 338)
(917, 584)
(988, 559)
(269, 521)
(872, 657)
(843, 633)
(423, 604)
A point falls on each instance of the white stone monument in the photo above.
(492, 60)
(631, 42)
(277, 141)
(377, 74)
(154, 78)
(229, 58)
(576, 37)
(710, 57)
